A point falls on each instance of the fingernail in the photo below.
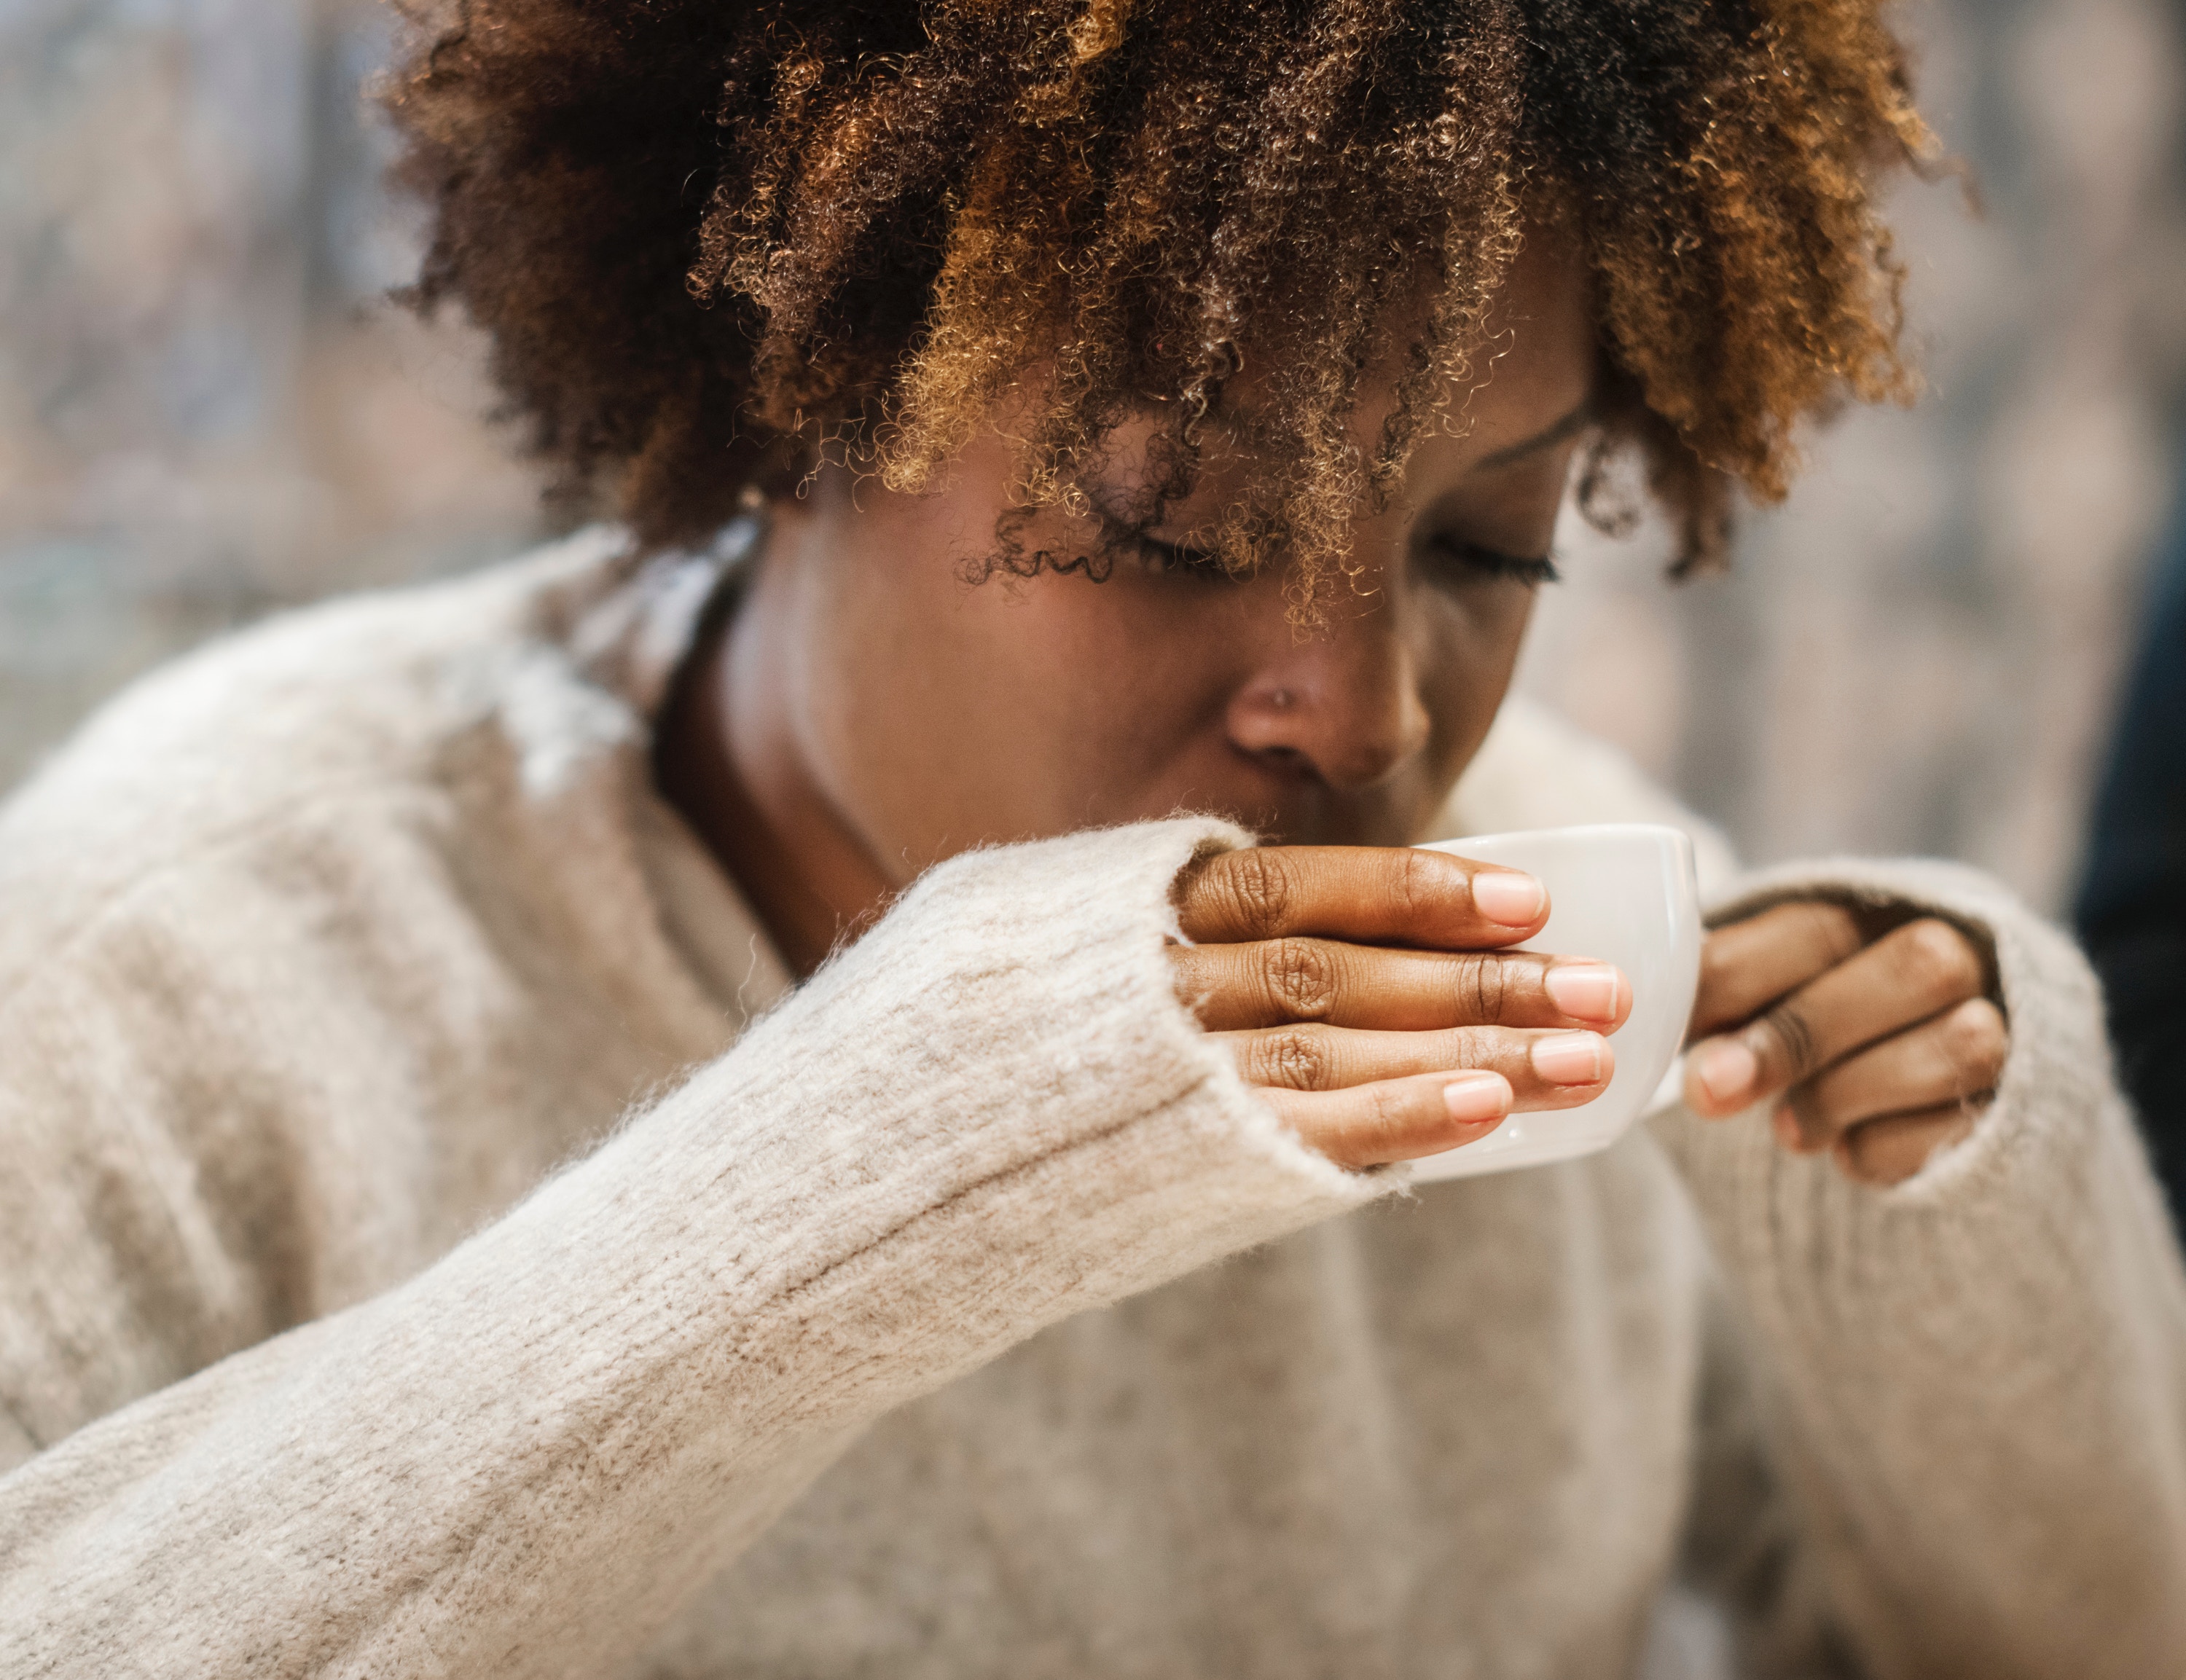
(1570, 1058)
(1726, 1068)
(1477, 1099)
(1505, 896)
(1590, 991)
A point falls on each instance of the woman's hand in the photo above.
(1872, 1032)
(1366, 995)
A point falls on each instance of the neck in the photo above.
(727, 757)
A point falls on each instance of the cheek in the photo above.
(1469, 644)
(954, 714)
(1091, 685)
(1108, 695)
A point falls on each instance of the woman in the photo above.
(1056, 447)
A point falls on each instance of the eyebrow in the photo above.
(1570, 426)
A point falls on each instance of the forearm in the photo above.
(1974, 1385)
(519, 1462)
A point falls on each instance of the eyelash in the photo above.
(1170, 557)
(1531, 570)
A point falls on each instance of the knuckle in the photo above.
(1300, 976)
(1488, 1047)
(1792, 1035)
(1414, 887)
(1483, 982)
(1938, 959)
(1976, 1039)
(1298, 1058)
(1834, 929)
(1388, 1115)
(1260, 889)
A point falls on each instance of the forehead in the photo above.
(1530, 364)
(1534, 360)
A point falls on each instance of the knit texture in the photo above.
(1909, 1337)
(438, 1240)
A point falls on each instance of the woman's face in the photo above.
(867, 683)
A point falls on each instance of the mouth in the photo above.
(1291, 805)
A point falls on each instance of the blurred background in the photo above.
(207, 412)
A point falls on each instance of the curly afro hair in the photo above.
(708, 235)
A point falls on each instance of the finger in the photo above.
(1955, 1058)
(1396, 1120)
(1890, 1151)
(1544, 1070)
(1270, 982)
(1918, 970)
(1381, 895)
(1749, 965)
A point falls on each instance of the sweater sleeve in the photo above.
(988, 1115)
(1970, 1388)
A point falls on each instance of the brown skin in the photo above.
(1875, 1036)
(867, 714)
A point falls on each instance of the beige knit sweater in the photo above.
(434, 1240)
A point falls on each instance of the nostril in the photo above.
(1284, 761)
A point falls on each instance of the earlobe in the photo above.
(781, 480)
(773, 502)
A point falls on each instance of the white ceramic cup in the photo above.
(1624, 892)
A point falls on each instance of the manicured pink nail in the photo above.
(1726, 1068)
(1587, 991)
(1572, 1058)
(1505, 896)
(1477, 1099)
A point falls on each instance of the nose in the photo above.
(1339, 703)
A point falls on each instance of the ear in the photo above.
(781, 476)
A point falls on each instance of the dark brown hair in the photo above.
(701, 232)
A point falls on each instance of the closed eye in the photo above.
(1461, 561)
(1179, 558)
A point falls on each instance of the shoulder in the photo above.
(316, 946)
(363, 700)
(359, 685)
(1535, 770)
